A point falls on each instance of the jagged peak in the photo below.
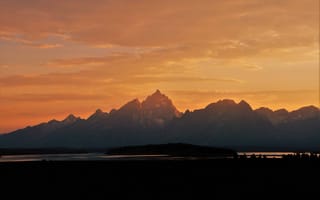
(245, 105)
(53, 121)
(70, 119)
(157, 97)
(311, 108)
(135, 103)
(161, 104)
(71, 116)
(281, 111)
(264, 109)
(227, 102)
(305, 112)
(223, 102)
(243, 102)
(99, 111)
(112, 111)
(157, 92)
(187, 111)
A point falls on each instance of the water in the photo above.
(78, 157)
(104, 157)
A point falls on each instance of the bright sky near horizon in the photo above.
(61, 57)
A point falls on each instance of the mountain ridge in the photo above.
(157, 120)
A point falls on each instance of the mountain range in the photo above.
(156, 120)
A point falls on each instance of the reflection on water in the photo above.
(102, 156)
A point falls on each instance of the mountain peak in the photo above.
(226, 102)
(305, 113)
(264, 110)
(282, 111)
(310, 108)
(244, 105)
(53, 121)
(99, 111)
(157, 98)
(221, 103)
(158, 108)
(134, 101)
(131, 105)
(70, 119)
(157, 94)
(98, 114)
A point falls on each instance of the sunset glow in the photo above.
(62, 57)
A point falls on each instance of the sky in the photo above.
(75, 56)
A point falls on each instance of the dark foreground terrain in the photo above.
(165, 179)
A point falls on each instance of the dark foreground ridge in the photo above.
(161, 179)
(173, 149)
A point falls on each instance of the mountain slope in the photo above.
(36, 135)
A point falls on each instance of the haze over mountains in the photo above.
(156, 120)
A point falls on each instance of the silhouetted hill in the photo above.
(283, 116)
(173, 149)
(156, 121)
(299, 128)
(224, 123)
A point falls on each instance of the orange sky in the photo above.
(61, 57)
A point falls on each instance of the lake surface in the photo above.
(104, 157)
(75, 157)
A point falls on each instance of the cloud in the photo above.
(76, 62)
(52, 97)
(252, 67)
(123, 56)
(4, 66)
(145, 78)
(20, 39)
(204, 92)
(171, 31)
(42, 80)
(48, 46)
(167, 22)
